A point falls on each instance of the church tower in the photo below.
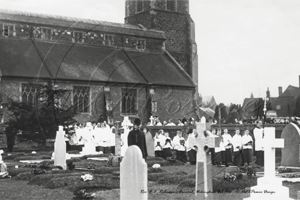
(172, 17)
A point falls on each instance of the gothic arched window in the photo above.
(129, 101)
(81, 99)
(30, 93)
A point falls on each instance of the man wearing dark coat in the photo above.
(137, 137)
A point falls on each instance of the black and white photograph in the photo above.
(149, 99)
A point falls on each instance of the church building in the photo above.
(146, 66)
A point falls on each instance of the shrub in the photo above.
(221, 184)
(44, 178)
(155, 170)
(190, 176)
(159, 175)
(11, 157)
(154, 158)
(190, 183)
(73, 152)
(74, 183)
(74, 160)
(14, 172)
(171, 179)
(24, 176)
(106, 170)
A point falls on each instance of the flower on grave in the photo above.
(87, 177)
(293, 175)
(229, 177)
(155, 166)
(284, 170)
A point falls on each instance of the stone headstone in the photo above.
(117, 130)
(133, 175)
(203, 160)
(270, 186)
(290, 155)
(149, 144)
(60, 149)
(3, 167)
(89, 141)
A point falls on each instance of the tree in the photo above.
(40, 120)
(297, 107)
(233, 113)
(222, 109)
(259, 108)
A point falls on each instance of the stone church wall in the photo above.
(176, 27)
(89, 37)
(173, 103)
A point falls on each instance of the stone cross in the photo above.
(270, 143)
(60, 149)
(203, 159)
(133, 175)
(269, 185)
(151, 121)
(117, 130)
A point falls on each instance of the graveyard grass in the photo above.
(171, 181)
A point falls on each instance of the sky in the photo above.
(244, 46)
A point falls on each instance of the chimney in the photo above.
(268, 93)
(279, 91)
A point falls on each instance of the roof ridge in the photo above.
(82, 20)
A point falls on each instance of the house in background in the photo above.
(285, 104)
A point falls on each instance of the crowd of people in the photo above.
(236, 149)
(233, 150)
(99, 133)
(155, 121)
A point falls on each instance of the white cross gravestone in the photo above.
(270, 186)
(203, 188)
(60, 149)
(89, 141)
(117, 130)
(133, 175)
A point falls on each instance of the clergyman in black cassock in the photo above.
(137, 137)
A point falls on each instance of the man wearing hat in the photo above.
(137, 137)
(259, 147)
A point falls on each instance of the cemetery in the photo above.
(56, 173)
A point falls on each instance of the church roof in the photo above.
(160, 69)
(87, 24)
(64, 61)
